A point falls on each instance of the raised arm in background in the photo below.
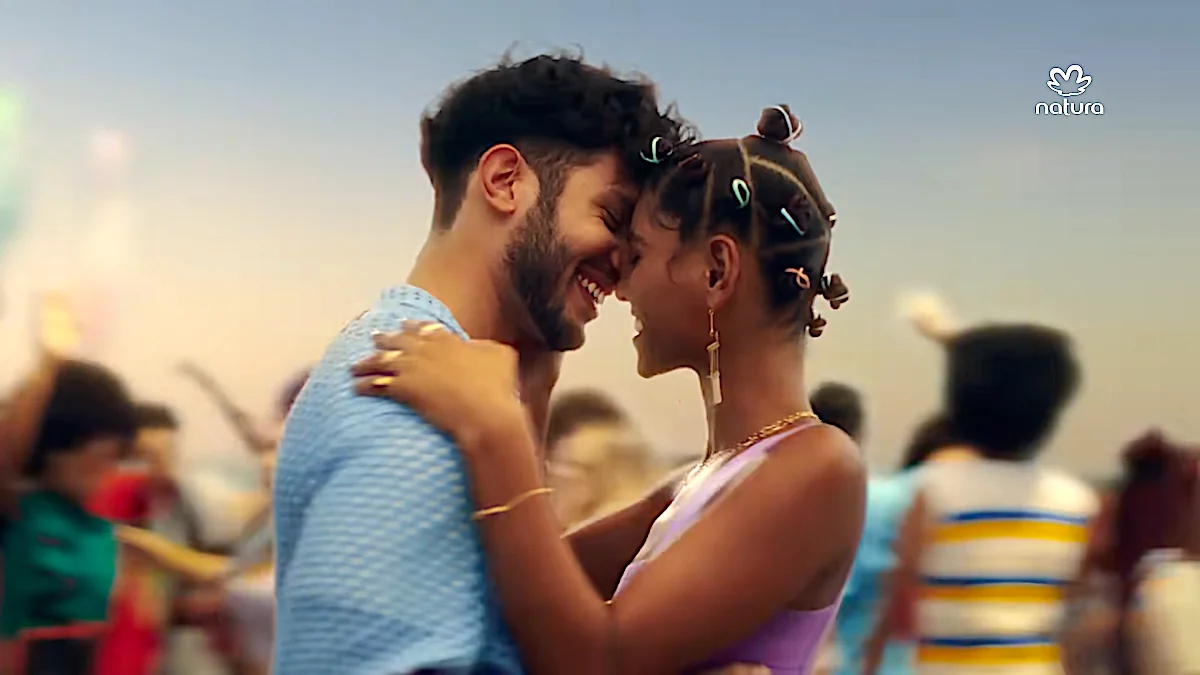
(57, 336)
(242, 422)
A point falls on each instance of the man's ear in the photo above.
(506, 181)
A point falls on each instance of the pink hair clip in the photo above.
(801, 278)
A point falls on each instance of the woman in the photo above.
(725, 260)
(63, 435)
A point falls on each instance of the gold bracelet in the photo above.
(505, 508)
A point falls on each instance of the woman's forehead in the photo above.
(645, 215)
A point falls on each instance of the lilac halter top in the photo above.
(789, 642)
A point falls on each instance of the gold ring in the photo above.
(382, 382)
(389, 356)
(430, 328)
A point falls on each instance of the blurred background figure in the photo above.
(842, 406)
(994, 539)
(147, 493)
(889, 497)
(68, 425)
(839, 405)
(1154, 511)
(597, 461)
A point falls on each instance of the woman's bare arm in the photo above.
(788, 525)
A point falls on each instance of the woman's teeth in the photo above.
(637, 325)
(596, 292)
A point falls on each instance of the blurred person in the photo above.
(598, 462)
(838, 405)
(725, 260)
(68, 424)
(534, 166)
(889, 497)
(232, 593)
(841, 406)
(994, 541)
(1153, 510)
(574, 410)
(262, 439)
(144, 492)
(237, 589)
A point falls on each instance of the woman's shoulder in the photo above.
(821, 460)
(821, 449)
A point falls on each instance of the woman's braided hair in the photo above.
(764, 193)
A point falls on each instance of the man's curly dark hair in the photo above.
(556, 109)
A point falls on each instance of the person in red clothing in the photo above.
(144, 494)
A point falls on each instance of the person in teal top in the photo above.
(888, 501)
(63, 434)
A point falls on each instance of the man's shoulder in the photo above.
(328, 412)
(330, 382)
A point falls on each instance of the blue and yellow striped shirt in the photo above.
(1005, 540)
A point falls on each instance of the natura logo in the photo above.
(1069, 84)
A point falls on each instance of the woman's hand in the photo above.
(467, 388)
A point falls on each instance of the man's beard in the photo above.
(536, 261)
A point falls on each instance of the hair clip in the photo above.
(801, 278)
(653, 158)
(791, 221)
(741, 192)
(793, 131)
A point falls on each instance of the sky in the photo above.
(271, 185)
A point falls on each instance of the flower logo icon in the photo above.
(1069, 82)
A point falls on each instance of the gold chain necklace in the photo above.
(765, 432)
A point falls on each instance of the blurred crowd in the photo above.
(967, 537)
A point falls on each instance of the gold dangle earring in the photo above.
(714, 380)
(714, 359)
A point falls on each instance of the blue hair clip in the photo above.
(741, 192)
(653, 158)
(791, 221)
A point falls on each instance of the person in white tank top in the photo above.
(995, 542)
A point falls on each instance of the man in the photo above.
(535, 167)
